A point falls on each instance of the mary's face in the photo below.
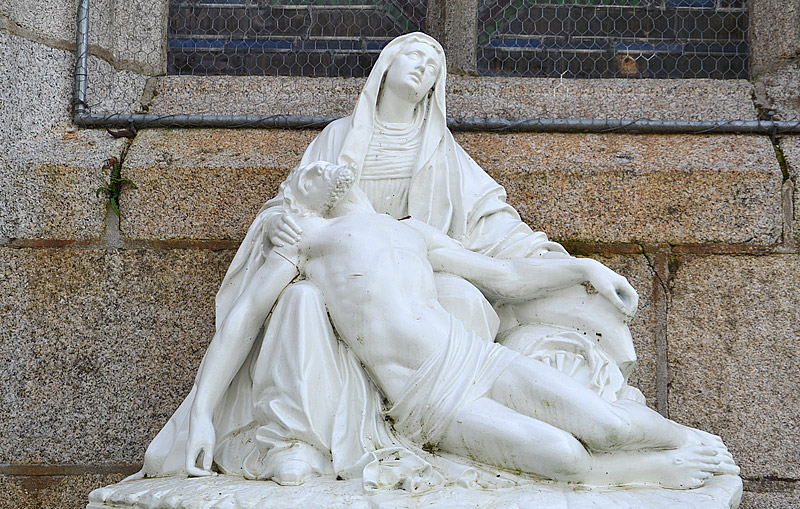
(413, 72)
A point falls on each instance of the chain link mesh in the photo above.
(613, 38)
(286, 37)
(205, 59)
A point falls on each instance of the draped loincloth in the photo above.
(459, 374)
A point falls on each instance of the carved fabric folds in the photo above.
(461, 373)
(265, 413)
(448, 190)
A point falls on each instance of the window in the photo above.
(299, 38)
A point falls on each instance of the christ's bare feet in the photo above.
(700, 437)
(682, 468)
(688, 467)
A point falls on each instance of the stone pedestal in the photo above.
(720, 492)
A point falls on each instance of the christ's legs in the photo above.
(489, 432)
(541, 392)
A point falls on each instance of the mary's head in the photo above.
(413, 71)
(410, 69)
(408, 77)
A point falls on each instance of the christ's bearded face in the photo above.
(318, 186)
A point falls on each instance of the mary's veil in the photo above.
(362, 121)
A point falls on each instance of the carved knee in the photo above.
(302, 289)
(609, 432)
(570, 460)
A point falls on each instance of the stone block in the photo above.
(132, 33)
(770, 500)
(256, 95)
(638, 188)
(204, 184)
(661, 99)
(52, 21)
(98, 348)
(112, 91)
(733, 329)
(609, 188)
(35, 90)
(467, 96)
(49, 185)
(51, 492)
(774, 38)
(12, 494)
(139, 34)
(790, 146)
(779, 91)
(454, 25)
(644, 325)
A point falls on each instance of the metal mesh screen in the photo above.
(230, 63)
(550, 38)
(285, 37)
(613, 38)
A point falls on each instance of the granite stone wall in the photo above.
(103, 320)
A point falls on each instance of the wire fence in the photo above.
(297, 38)
(564, 65)
(614, 38)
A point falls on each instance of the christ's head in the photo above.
(316, 187)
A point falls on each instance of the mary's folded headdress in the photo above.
(362, 121)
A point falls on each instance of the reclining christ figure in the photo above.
(446, 387)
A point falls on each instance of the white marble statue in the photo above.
(445, 386)
(389, 319)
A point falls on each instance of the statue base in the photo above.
(723, 492)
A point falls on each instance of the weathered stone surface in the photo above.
(256, 95)
(780, 92)
(35, 88)
(51, 21)
(36, 84)
(112, 91)
(49, 185)
(790, 146)
(51, 492)
(136, 33)
(37, 93)
(611, 188)
(638, 188)
(454, 25)
(733, 330)
(770, 500)
(131, 33)
(628, 99)
(644, 324)
(466, 97)
(774, 40)
(12, 494)
(204, 184)
(98, 348)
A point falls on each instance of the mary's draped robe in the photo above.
(301, 394)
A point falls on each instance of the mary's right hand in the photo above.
(282, 229)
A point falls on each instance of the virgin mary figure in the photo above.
(301, 404)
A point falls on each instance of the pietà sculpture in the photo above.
(388, 320)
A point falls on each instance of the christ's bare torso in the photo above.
(374, 272)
